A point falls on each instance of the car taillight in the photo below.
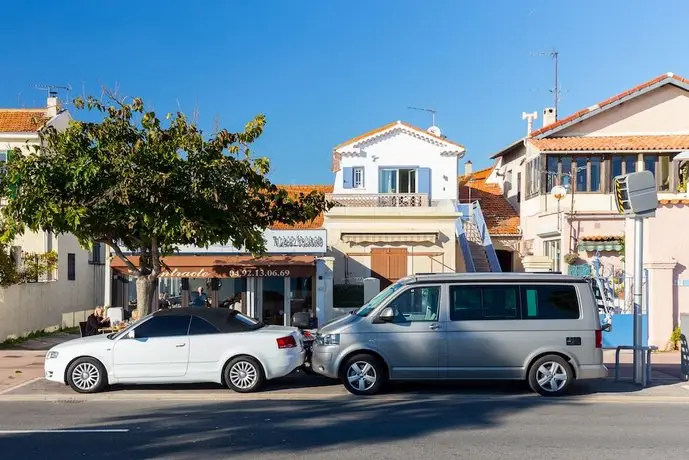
(287, 342)
(599, 339)
(307, 334)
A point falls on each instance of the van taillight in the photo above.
(287, 342)
(599, 339)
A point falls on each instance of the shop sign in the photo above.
(277, 242)
(238, 272)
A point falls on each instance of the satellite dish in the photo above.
(558, 192)
(434, 130)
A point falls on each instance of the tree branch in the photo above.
(155, 257)
(121, 255)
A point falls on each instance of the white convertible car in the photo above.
(181, 345)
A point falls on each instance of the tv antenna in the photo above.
(431, 111)
(52, 89)
(555, 55)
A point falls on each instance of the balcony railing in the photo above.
(379, 200)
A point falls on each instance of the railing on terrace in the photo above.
(379, 200)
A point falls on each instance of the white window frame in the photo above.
(397, 179)
(548, 246)
(358, 177)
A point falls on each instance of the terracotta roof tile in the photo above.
(501, 217)
(668, 76)
(21, 120)
(612, 143)
(601, 238)
(674, 201)
(294, 191)
(337, 157)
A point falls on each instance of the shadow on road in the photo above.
(222, 430)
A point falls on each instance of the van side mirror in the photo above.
(387, 315)
(131, 334)
(607, 327)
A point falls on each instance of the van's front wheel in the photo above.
(363, 375)
(551, 375)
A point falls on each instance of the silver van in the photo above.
(542, 328)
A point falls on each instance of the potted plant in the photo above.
(571, 258)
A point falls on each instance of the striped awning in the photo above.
(389, 237)
(592, 246)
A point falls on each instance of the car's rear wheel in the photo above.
(87, 375)
(551, 375)
(244, 374)
(363, 375)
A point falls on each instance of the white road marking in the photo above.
(104, 430)
(15, 387)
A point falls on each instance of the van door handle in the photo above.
(180, 345)
(434, 327)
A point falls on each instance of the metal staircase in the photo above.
(475, 243)
(476, 248)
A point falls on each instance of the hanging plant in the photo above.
(571, 258)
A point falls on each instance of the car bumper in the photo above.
(593, 371)
(293, 359)
(54, 370)
(322, 362)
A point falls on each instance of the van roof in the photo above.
(493, 276)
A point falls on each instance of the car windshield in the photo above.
(377, 300)
(115, 335)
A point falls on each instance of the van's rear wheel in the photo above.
(363, 375)
(551, 375)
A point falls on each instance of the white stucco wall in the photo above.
(400, 149)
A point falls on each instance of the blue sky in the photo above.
(326, 71)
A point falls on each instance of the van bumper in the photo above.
(592, 371)
(323, 362)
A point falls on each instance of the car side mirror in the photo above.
(607, 327)
(131, 334)
(387, 315)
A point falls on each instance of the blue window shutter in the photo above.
(347, 177)
(425, 180)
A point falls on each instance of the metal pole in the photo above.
(638, 292)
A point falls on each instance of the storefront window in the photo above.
(301, 295)
(232, 294)
(274, 300)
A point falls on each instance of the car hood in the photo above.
(93, 340)
(339, 324)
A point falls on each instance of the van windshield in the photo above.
(377, 300)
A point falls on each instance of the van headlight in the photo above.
(328, 339)
(51, 355)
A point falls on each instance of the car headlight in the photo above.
(51, 355)
(328, 339)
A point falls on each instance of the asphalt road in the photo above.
(346, 428)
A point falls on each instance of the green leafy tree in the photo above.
(146, 186)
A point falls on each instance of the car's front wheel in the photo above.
(363, 375)
(244, 374)
(87, 375)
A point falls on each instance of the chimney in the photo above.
(53, 105)
(467, 168)
(549, 116)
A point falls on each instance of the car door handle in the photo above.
(181, 345)
(434, 327)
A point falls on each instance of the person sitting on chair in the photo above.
(96, 321)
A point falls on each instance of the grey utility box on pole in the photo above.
(637, 197)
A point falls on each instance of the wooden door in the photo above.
(388, 265)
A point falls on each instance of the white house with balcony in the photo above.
(77, 283)
(395, 204)
(643, 128)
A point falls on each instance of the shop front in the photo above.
(289, 278)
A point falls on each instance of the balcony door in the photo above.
(398, 180)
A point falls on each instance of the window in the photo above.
(533, 177)
(551, 248)
(71, 267)
(397, 181)
(659, 165)
(581, 174)
(507, 184)
(490, 302)
(417, 304)
(594, 176)
(585, 172)
(550, 302)
(519, 187)
(163, 326)
(200, 326)
(552, 172)
(358, 178)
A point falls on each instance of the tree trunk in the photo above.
(146, 289)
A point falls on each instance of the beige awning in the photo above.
(390, 237)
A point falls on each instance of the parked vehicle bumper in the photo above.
(593, 371)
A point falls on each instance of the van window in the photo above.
(417, 304)
(550, 301)
(490, 302)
